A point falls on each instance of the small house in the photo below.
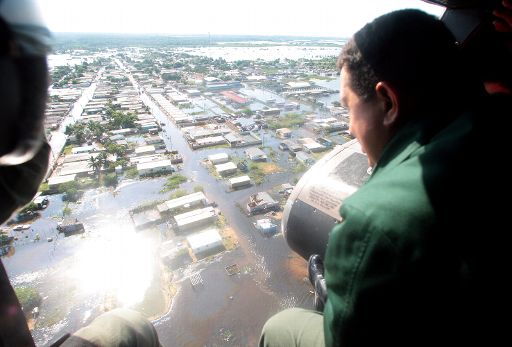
(56, 181)
(226, 169)
(205, 243)
(154, 167)
(255, 154)
(144, 150)
(196, 218)
(184, 202)
(71, 227)
(266, 226)
(238, 182)
(219, 158)
(261, 202)
(283, 133)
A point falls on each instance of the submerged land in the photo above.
(172, 161)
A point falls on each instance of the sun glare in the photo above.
(117, 266)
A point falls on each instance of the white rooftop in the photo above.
(265, 224)
(194, 216)
(154, 164)
(225, 167)
(61, 179)
(145, 149)
(256, 78)
(299, 84)
(218, 156)
(82, 149)
(239, 179)
(183, 200)
(204, 238)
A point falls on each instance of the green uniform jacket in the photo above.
(400, 268)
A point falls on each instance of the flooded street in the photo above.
(112, 265)
(231, 310)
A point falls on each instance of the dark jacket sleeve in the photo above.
(378, 288)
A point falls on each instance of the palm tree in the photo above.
(103, 159)
(95, 164)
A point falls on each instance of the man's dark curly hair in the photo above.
(363, 78)
(411, 50)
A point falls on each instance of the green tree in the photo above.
(102, 158)
(114, 148)
(167, 76)
(247, 112)
(78, 130)
(95, 164)
(66, 211)
(110, 180)
(96, 129)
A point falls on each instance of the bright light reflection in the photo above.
(117, 264)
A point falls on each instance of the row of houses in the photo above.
(191, 215)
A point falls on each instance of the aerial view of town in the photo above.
(172, 159)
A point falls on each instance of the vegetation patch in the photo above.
(173, 182)
(178, 194)
(229, 237)
(44, 187)
(51, 318)
(290, 120)
(299, 168)
(132, 172)
(28, 297)
(66, 211)
(68, 149)
(146, 206)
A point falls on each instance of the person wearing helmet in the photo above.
(417, 259)
(24, 157)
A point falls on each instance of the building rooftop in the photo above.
(298, 84)
(204, 238)
(154, 164)
(239, 179)
(61, 179)
(184, 200)
(225, 167)
(194, 216)
(218, 156)
(144, 149)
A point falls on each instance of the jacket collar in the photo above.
(407, 140)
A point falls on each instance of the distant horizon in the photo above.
(196, 35)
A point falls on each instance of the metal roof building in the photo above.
(219, 158)
(205, 242)
(186, 201)
(196, 218)
(225, 169)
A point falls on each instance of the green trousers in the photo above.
(116, 328)
(294, 327)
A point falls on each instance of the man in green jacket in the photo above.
(404, 267)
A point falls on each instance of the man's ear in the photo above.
(388, 98)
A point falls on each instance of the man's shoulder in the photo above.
(395, 200)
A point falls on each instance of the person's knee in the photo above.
(293, 327)
(119, 327)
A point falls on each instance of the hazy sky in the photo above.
(337, 18)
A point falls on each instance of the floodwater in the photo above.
(82, 275)
(112, 265)
(265, 53)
